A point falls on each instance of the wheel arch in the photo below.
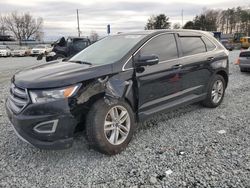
(95, 90)
(224, 74)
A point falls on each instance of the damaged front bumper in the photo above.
(45, 126)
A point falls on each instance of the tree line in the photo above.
(232, 20)
(227, 21)
(23, 26)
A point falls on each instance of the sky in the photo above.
(123, 15)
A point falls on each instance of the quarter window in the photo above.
(210, 46)
(192, 45)
(164, 46)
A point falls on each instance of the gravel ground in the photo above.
(189, 147)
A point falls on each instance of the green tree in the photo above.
(150, 23)
(189, 25)
(160, 21)
(206, 21)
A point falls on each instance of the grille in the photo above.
(18, 98)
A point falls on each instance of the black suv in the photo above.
(113, 84)
(66, 48)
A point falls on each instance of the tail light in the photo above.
(237, 61)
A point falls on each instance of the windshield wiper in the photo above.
(81, 62)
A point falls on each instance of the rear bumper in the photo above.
(245, 66)
(25, 122)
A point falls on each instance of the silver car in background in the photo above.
(21, 51)
(41, 49)
(244, 61)
(5, 51)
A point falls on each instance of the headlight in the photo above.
(42, 96)
(51, 54)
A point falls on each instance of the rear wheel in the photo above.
(110, 128)
(215, 93)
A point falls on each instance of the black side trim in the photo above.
(171, 105)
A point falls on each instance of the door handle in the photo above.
(177, 66)
(210, 59)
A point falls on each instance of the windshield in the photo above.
(108, 50)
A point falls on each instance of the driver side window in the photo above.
(164, 46)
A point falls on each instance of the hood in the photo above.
(58, 74)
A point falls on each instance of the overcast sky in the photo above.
(123, 15)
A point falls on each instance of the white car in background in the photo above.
(21, 51)
(41, 49)
(5, 51)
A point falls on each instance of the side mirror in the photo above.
(39, 57)
(147, 60)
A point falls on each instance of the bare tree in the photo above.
(23, 26)
(3, 28)
(39, 36)
(94, 36)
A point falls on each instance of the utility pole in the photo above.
(182, 18)
(78, 28)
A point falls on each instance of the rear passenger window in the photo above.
(164, 46)
(210, 46)
(192, 45)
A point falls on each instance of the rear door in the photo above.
(158, 84)
(195, 62)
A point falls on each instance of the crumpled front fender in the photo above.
(112, 88)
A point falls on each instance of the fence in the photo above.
(23, 43)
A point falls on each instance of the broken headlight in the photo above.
(42, 96)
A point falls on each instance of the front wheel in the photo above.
(215, 93)
(110, 128)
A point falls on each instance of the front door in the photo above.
(158, 84)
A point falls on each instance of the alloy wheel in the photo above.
(117, 125)
(217, 91)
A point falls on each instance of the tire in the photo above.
(106, 141)
(242, 70)
(215, 90)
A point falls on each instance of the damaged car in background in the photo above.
(65, 48)
(113, 84)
